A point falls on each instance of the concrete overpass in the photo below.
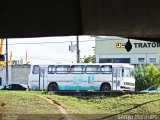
(39, 18)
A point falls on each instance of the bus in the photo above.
(79, 77)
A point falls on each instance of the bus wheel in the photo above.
(105, 87)
(53, 87)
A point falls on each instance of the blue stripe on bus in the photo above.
(71, 88)
(78, 88)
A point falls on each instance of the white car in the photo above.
(152, 89)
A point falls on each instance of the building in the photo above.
(112, 50)
(17, 74)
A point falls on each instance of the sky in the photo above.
(48, 50)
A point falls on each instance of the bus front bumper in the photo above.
(127, 88)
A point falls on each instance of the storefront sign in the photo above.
(120, 45)
(147, 45)
(138, 45)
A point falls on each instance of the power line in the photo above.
(50, 59)
(53, 60)
(29, 43)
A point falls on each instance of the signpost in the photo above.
(6, 61)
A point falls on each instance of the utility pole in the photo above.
(6, 61)
(78, 51)
(79, 25)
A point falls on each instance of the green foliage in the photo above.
(89, 59)
(141, 78)
(146, 76)
(151, 74)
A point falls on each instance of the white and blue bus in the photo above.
(97, 77)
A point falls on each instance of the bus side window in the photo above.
(131, 72)
(43, 72)
(51, 69)
(122, 72)
(92, 69)
(126, 72)
(35, 69)
(63, 69)
(77, 69)
(116, 72)
(106, 69)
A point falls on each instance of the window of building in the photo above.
(114, 60)
(51, 69)
(36, 69)
(141, 60)
(77, 69)
(152, 60)
(106, 69)
(62, 69)
(92, 69)
(0, 81)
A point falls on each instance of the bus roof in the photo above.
(113, 64)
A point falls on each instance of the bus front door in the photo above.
(116, 78)
(42, 78)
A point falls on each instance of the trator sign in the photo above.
(138, 45)
(147, 45)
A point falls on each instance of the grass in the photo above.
(105, 107)
(25, 104)
(82, 108)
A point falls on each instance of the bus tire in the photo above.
(52, 87)
(105, 87)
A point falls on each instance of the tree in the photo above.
(146, 76)
(158, 76)
(88, 59)
(153, 74)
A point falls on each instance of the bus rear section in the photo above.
(71, 77)
(38, 77)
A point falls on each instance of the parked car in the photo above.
(152, 89)
(21, 87)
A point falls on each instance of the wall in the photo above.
(19, 74)
(3, 75)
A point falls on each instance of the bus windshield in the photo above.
(127, 72)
